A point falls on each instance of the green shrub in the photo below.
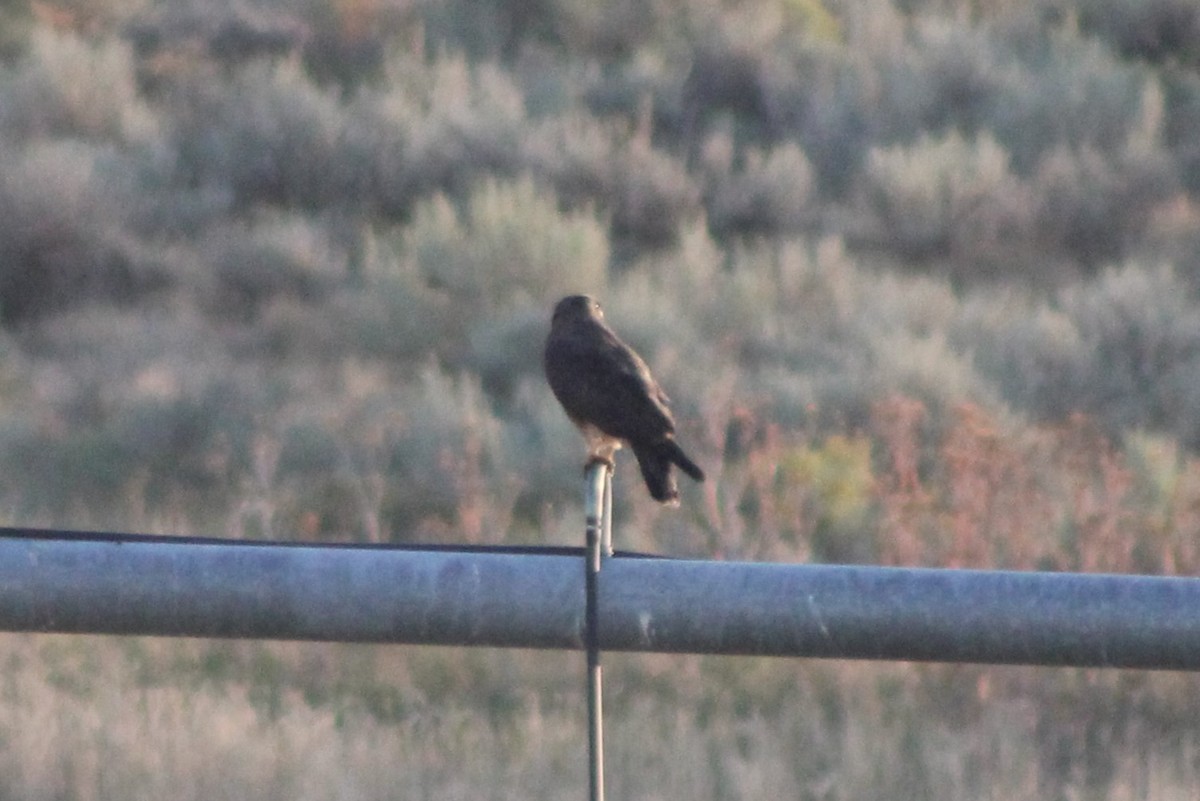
(468, 125)
(509, 246)
(575, 154)
(446, 456)
(771, 196)
(825, 99)
(506, 349)
(493, 28)
(1063, 91)
(1123, 348)
(652, 198)
(835, 485)
(64, 85)
(63, 213)
(1096, 208)
(545, 449)
(273, 258)
(948, 201)
(270, 135)
(1156, 30)
(1181, 112)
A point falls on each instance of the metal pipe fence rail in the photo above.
(535, 598)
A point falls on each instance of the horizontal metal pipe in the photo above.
(119, 584)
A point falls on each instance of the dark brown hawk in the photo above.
(607, 390)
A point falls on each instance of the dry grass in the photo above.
(92, 718)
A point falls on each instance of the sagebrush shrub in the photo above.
(1156, 30)
(65, 85)
(948, 199)
(509, 244)
(771, 195)
(270, 135)
(1122, 348)
(1095, 207)
(65, 208)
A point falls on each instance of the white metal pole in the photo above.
(598, 497)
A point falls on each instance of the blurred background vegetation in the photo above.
(921, 276)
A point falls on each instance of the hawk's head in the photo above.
(576, 307)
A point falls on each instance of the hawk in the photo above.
(607, 391)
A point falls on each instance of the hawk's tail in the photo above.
(675, 454)
(655, 461)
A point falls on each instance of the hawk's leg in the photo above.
(601, 448)
(607, 461)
